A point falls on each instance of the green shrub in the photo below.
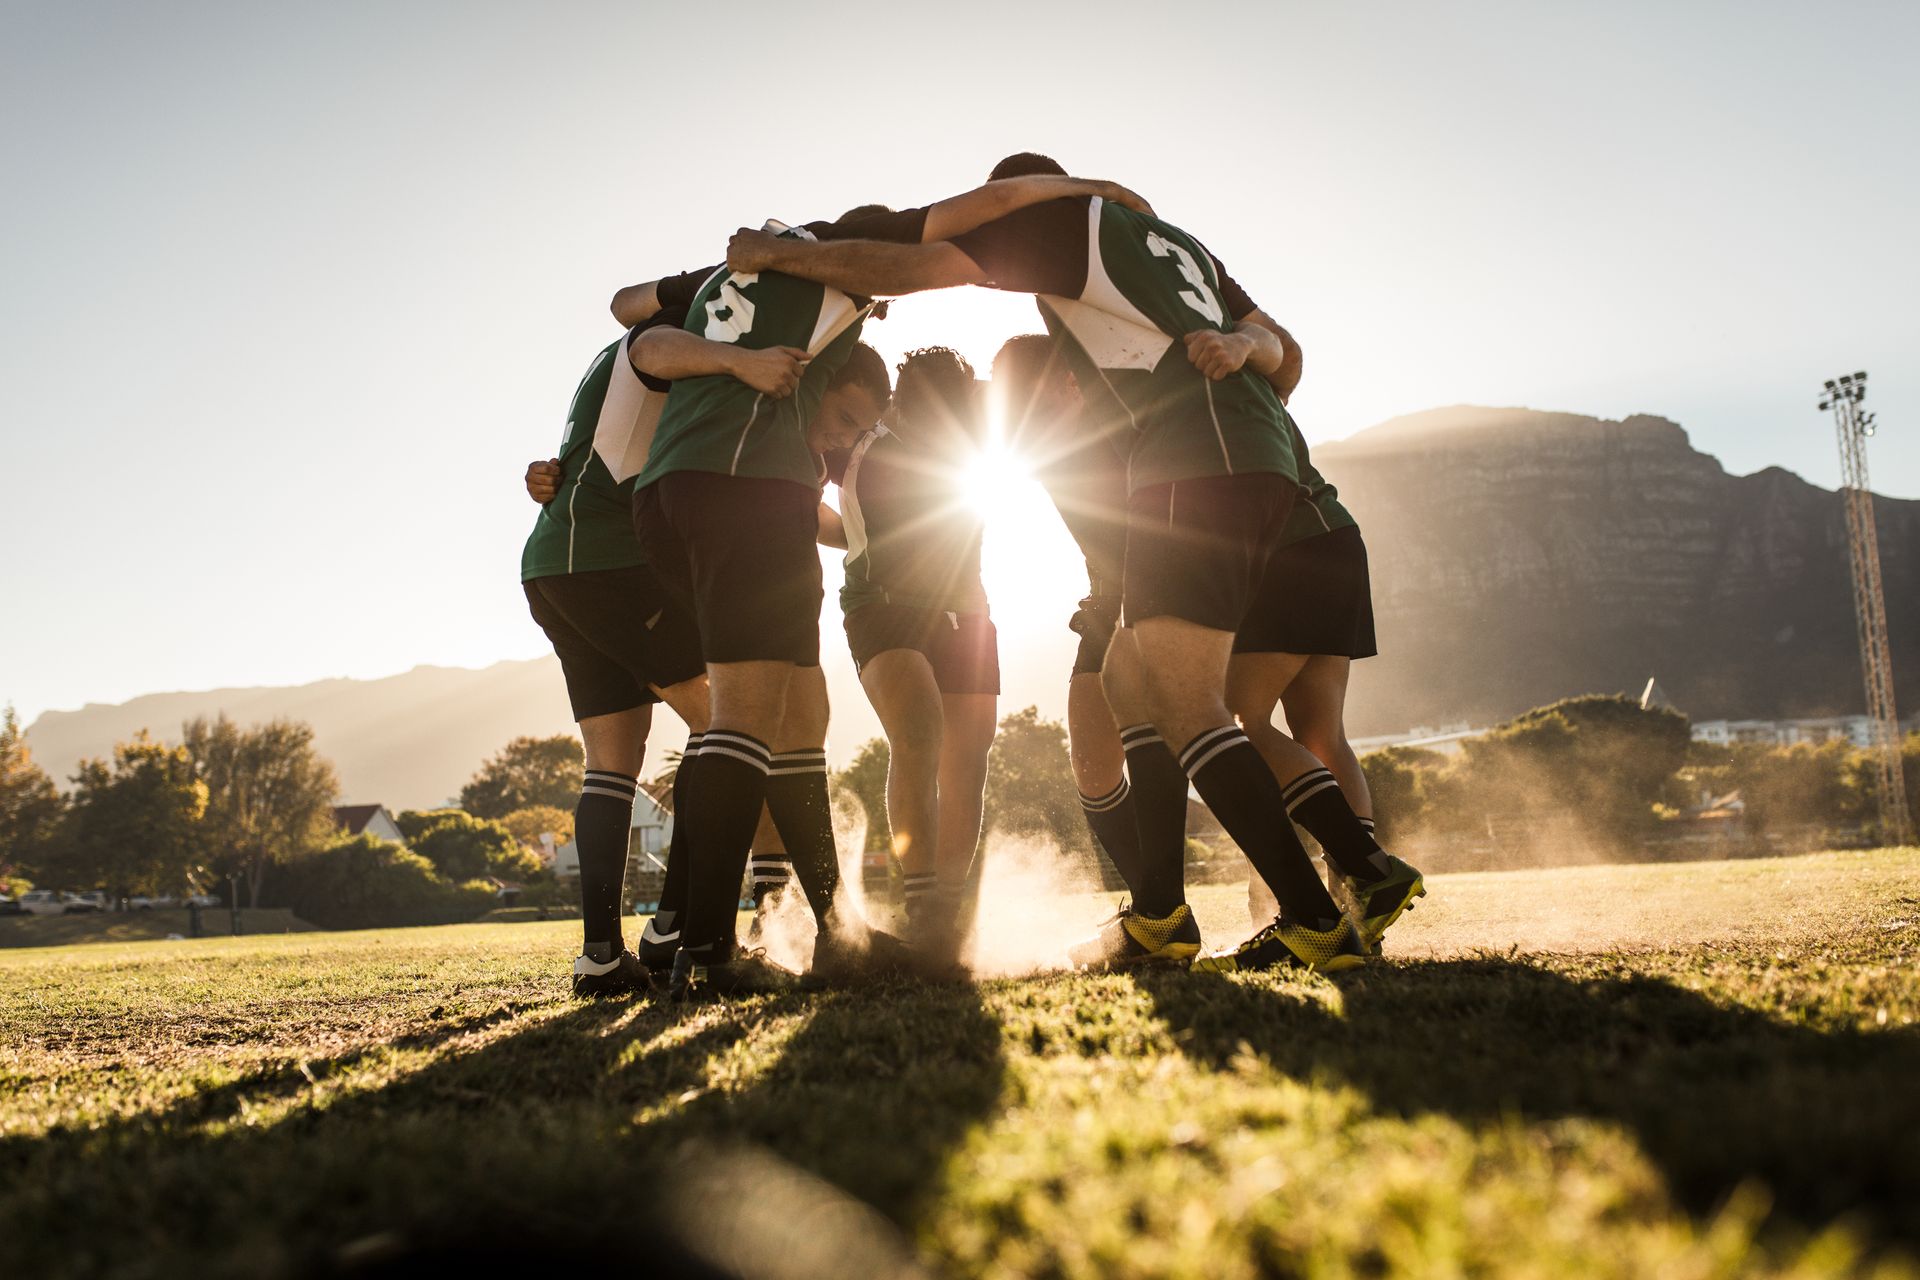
(365, 883)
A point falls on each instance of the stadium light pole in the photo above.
(1843, 397)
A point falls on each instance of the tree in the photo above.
(866, 779)
(134, 822)
(30, 805)
(1400, 779)
(527, 771)
(362, 883)
(536, 820)
(269, 795)
(463, 847)
(1030, 786)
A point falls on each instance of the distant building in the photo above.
(368, 819)
(1854, 730)
(1445, 739)
(652, 830)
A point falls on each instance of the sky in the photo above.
(294, 293)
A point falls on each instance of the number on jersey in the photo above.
(730, 312)
(1200, 297)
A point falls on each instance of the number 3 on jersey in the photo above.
(1200, 297)
(730, 312)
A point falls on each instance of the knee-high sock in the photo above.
(1112, 820)
(602, 825)
(1243, 793)
(673, 894)
(768, 872)
(1314, 800)
(1159, 792)
(723, 806)
(803, 814)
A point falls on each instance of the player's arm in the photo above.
(638, 303)
(1258, 345)
(960, 214)
(833, 530)
(870, 268)
(668, 353)
(1283, 367)
(543, 480)
(635, 303)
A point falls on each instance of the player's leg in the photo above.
(797, 796)
(1315, 704)
(753, 576)
(901, 686)
(613, 712)
(1093, 743)
(1314, 598)
(690, 700)
(1254, 685)
(1196, 552)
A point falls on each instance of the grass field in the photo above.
(1673, 1071)
(141, 926)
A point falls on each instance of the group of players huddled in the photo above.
(675, 560)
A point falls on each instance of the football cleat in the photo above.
(660, 939)
(1376, 904)
(1285, 944)
(624, 975)
(743, 973)
(1130, 938)
(844, 956)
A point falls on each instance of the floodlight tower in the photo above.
(1853, 426)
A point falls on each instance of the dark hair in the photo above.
(866, 369)
(859, 212)
(1020, 368)
(937, 383)
(1022, 164)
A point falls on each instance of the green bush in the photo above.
(365, 883)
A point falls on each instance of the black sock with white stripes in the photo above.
(602, 825)
(1244, 795)
(668, 917)
(1314, 800)
(1159, 792)
(723, 806)
(1112, 820)
(803, 814)
(768, 872)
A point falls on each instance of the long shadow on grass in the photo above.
(1716, 1095)
(546, 1145)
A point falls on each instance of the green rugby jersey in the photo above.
(911, 537)
(1318, 509)
(589, 523)
(721, 424)
(1119, 290)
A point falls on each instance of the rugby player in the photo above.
(1081, 465)
(623, 646)
(918, 626)
(1212, 480)
(727, 504)
(1296, 651)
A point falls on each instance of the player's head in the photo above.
(1024, 164)
(939, 400)
(1036, 393)
(852, 403)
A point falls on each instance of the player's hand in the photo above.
(774, 371)
(1120, 195)
(543, 480)
(1218, 355)
(752, 250)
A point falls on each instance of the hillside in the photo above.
(405, 741)
(1520, 556)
